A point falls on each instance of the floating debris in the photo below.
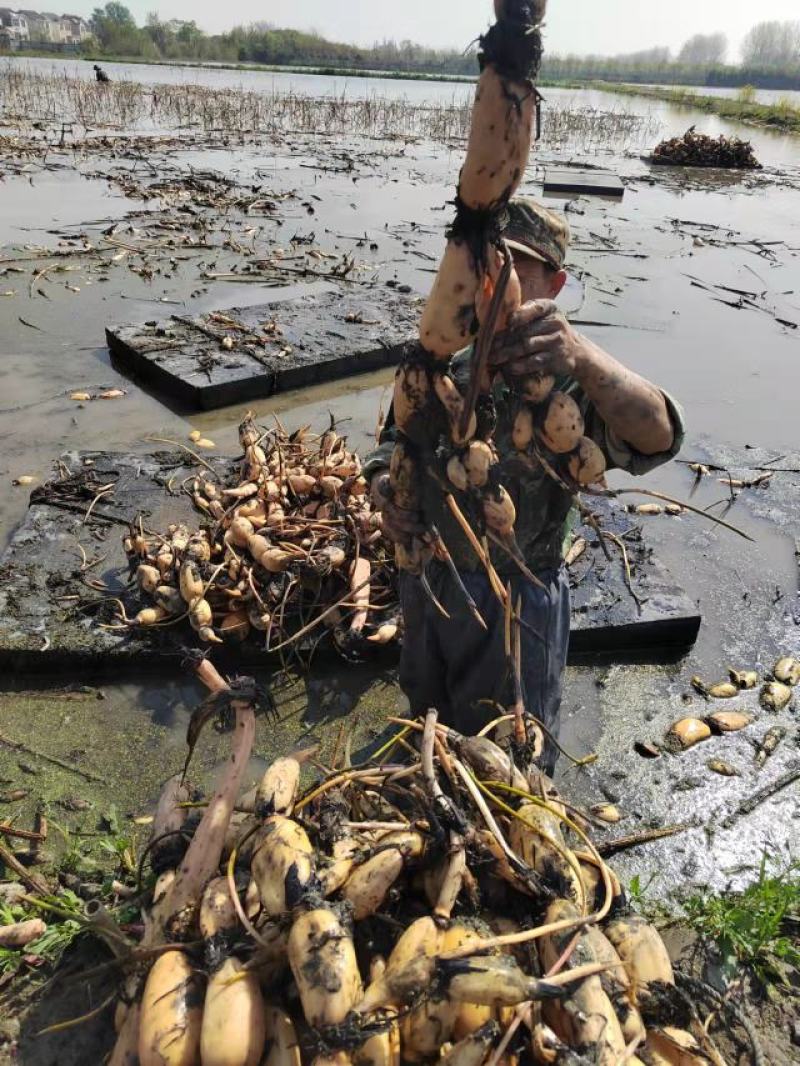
(744, 679)
(775, 696)
(769, 744)
(724, 769)
(728, 721)
(787, 671)
(700, 150)
(686, 733)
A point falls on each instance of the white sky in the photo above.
(579, 26)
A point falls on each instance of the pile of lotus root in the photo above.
(476, 290)
(441, 903)
(700, 150)
(289, 546)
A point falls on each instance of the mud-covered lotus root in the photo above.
(453, 403)
(787, 671)
(563, 427)
(588, 464)
(537, 387)
(775, 696)
(523, 429)
(411, 392)
(500, 513)
(457, 474)
(478, 460)
(728, 721)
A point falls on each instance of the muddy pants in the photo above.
(454, 664)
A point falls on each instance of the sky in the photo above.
(605, 27)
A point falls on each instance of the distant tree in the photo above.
(159, 33)
(652, 56)
(188, 35)
(773, 46)
(112, 20)
(704, 50)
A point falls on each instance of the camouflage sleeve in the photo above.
(623, 456)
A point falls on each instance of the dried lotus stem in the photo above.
(477, 547)
(571, 824)
(484, 343)
(442, 552)
(487, 815)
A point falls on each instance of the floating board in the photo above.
(240, 354)
(60, 571)
(583, 182)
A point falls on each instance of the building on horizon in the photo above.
(41, 29)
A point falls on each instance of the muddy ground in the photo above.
(693, 280)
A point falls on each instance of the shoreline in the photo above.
(781, 117)
(618, 79)
(192, 64)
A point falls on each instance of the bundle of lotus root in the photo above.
(475, 292)
(448, 909)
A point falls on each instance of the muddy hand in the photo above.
(539, 340)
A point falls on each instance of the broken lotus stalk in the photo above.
(476, 283)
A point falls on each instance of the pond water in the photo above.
(772, 147)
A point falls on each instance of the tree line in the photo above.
(770, 54)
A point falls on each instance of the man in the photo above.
(454, 665)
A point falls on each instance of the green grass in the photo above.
(759, 927)
(58, 936)
(782, 115)
(105, 856)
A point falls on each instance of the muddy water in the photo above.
(734, 370)
(673, 120)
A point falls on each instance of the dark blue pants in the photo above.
(453, 664)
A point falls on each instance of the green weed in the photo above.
(58, 936)
(759, 926)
